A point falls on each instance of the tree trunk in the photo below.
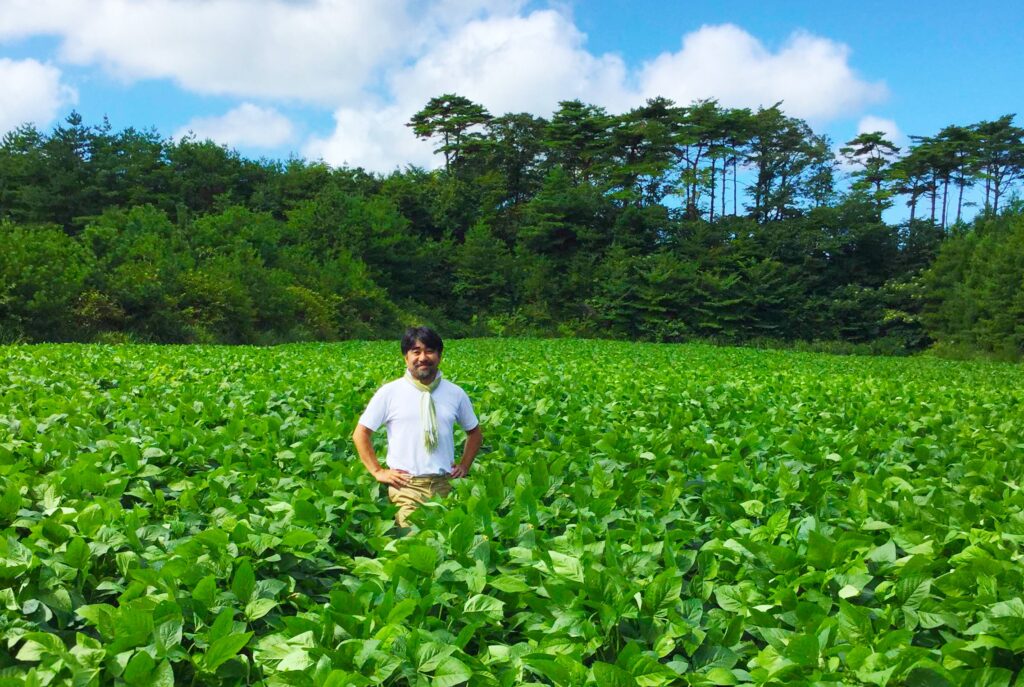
(725, 167)
(960, 202)
(735, 185)
(988, 187)
(934, 194)
(945, 194)
(711, 207)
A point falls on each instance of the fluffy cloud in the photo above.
(33, 93)
(373, 138)
(506, 63)
(811, 75)
(376, 62)
(322, 51)
(871, 123)
(246, 125)
(529, 63)
(515, 64)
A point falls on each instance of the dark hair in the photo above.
(424, 335)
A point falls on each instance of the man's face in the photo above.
(422, 362)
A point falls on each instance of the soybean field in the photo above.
(640, 515)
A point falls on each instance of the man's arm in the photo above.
(363, 439)
(474, 438)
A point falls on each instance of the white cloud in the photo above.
(373, 138)
(810, 74)
(530, 63)
(506, 63)
(321, 51)
(515, 64)
(870, 123)
(246, 125)
(376, 62)
(32, 93)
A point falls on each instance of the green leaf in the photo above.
(305, 511)
(855, 624)
(913, 591)
(608, 675)
(168, 636)
(484, 607)
(423, 558)
(222, 626)
(511, 584)
(296, 539)
(451, 672)
(244, 581)
(257, 608)
(926, 677)
(225, 648)
(663, 592)
(803, 650)
(38, 645)
(561, 670)
(205, 590)
(138, 670)
(163, 676)
(566, 566)
(721, 676)
(429, 655)
(989, 677)
(402, 610)
(133, 627)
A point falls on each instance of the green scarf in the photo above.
(428, 413)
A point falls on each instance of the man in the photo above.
(420, 411)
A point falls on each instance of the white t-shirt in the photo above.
(397, 406)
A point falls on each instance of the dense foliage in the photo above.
(641, 515)
(665, 223)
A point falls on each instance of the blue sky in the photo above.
(337, 79)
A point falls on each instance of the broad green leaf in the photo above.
(561, 670)
(663, 592)
(803, 650)
(720, 676)
(244, 581)
(224, 648)
(451, 672)
(913, 591)
(484, 607)
(608, 675)
(510, 583)
(138, 670)
(168, 636)
(205, 590)
(566, 566)
(38, 645)
(257, 608)
(423, 558)
(299, 538)
(429, 655)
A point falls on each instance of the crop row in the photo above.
(641, 515)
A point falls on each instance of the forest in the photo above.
(666, 223)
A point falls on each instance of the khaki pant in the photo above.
(419, 489)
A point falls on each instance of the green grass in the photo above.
(641, 515)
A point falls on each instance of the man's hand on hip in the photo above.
(393, 478)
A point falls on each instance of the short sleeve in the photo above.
(373, 417)
(466, 417)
